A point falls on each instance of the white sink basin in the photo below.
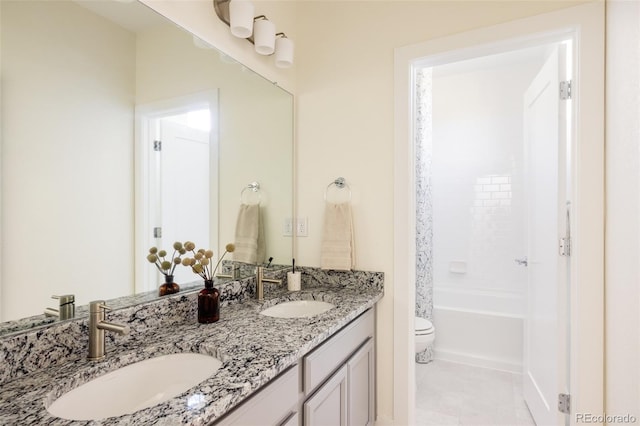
(297, 309)
(134, 387)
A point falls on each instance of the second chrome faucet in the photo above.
(97, 327)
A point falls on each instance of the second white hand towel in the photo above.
(338, 249)
(250, 245)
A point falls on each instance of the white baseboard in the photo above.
(476, 361)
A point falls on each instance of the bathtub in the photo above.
(480, 328)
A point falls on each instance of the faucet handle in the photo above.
(65, 298)
(97, 306)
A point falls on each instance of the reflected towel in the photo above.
(250, 245)
(338, 249)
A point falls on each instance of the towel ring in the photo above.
(253, 187)
(339, 183)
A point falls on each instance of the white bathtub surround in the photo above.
(481, 328)
(482, 339)
(453, 394)
(424, 204)
(470, 205)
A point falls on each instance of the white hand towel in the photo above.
(250, 244)
(338, 249)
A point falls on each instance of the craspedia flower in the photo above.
(197, 268)
(177, 245)
(164, 265)
(205, 261)
(198, 256)
(230, 248)
(189, 245)
(182, 251)
(201, 251)
(208, 254)
(186, 261)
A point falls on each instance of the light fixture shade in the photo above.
(241, 13)
(264, 36)
(284, 52)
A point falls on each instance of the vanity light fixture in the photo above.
(264, 35)
(258, 30)
(284, 51)
(240, 21)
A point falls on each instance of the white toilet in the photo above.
(425, 334)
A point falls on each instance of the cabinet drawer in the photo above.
(272, 405)
(325, 359)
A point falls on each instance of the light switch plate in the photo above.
(287, 227)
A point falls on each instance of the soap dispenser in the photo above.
(208, 303)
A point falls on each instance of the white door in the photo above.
(545, 340)
(184, 183)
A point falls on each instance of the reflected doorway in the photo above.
(178, 175)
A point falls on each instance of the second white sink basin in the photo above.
(134, 387)
(297, 309)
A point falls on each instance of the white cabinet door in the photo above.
(271, 406)
(328, 406)
(360, 386)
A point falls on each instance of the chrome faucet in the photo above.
(97, 327)
(260, 280)
(67, 308)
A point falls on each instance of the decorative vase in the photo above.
(169, 287)
(208, 303)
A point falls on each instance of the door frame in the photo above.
(585, 23)
(145, 116)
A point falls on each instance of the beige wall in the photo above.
(344, 85)
(255, 120)
(622, 368)
(66, 124)
(345, 122)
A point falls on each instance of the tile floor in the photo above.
(456, 394)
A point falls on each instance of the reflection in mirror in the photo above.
(88, 89)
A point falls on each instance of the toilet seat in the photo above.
(423, 327)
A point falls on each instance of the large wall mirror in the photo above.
(116, 123)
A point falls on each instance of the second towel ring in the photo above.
(339, 183)
(253, 187)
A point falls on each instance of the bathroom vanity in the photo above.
(333, 384)
(293, 371)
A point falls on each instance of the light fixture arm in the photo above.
(222, 10)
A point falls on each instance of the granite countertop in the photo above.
(253, 348)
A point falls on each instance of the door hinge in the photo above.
(565, 90)
(157, 145)
(565, 246)
(564, 403)
(157, 232)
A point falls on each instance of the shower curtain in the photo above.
(424, 199)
